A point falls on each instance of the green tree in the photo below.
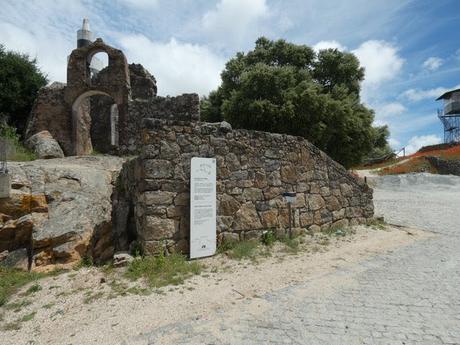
(20, 80)
(287, 88)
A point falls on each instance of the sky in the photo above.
(410, 49)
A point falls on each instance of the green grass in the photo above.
(291, 244)
(17, 306)
(244, 250)
(91, 297)
(162, 270)
(28, 317)
(12, 326)
(15, 150)
(376, 224)
(11, 280)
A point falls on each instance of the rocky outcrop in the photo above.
(59, 211)
(44, 145)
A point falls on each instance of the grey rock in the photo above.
(44, 145)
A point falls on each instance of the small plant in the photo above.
(17, 306)
(91, 297)
(86, 261)
(34, 288)
(244, 250)
(268, 237)
(12, 326)
(48, 306)
(28, 317)
(376, 223)
(226, 245)
(163, 270)
(291, 244)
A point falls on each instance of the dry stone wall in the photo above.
(253, 170)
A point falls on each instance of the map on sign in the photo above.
(202, 207)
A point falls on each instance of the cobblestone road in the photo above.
(408, 296)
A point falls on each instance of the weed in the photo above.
(291, 244)
(92, 297)
(11, 280)
(12, 326)
(268, 237)
(86, 261)
(34, 288)
(48, 306)
(226, 246)
(28, 317)
(163, 270)
(376, 223)
(17, 306)
(244, 250)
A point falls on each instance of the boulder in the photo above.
(65, 211)
(44, 145)
(122, 259)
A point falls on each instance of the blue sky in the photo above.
(410, 49)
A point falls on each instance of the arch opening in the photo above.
(96, 62)
(95, 123)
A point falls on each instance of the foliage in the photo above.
(244, 250)
(286, 88)
(163, 270)
(268, 238)
(15, 151)
(11, 280)
(20, 80)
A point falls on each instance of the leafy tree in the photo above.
(20, 80)
(287, 88)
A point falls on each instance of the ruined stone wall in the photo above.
(253, 170)
(185, 107)
(51, 113)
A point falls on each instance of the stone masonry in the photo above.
(253, 170)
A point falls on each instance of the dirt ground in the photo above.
(81, 307)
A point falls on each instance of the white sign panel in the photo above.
(202, 207)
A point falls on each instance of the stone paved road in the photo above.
(408, 296)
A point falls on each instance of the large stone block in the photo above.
(156, 228)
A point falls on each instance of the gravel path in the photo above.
(408, 296)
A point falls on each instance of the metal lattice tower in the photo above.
(450, 115)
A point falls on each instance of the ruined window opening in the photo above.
(96, 63)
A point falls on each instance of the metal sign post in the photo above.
(290, 198)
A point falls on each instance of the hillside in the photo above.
(441, 159)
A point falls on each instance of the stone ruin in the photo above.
(151, 202)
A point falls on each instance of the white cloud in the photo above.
(178, 67)
(328, 44)
(233, 20)
(389, 110)
(380, 59)
(418, 95)
(381, 62)
(141, 4)
(433, 63)
(417, 142)
(394, 143)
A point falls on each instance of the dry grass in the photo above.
(417, 164)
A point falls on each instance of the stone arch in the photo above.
(83, 121)
(112, 81)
